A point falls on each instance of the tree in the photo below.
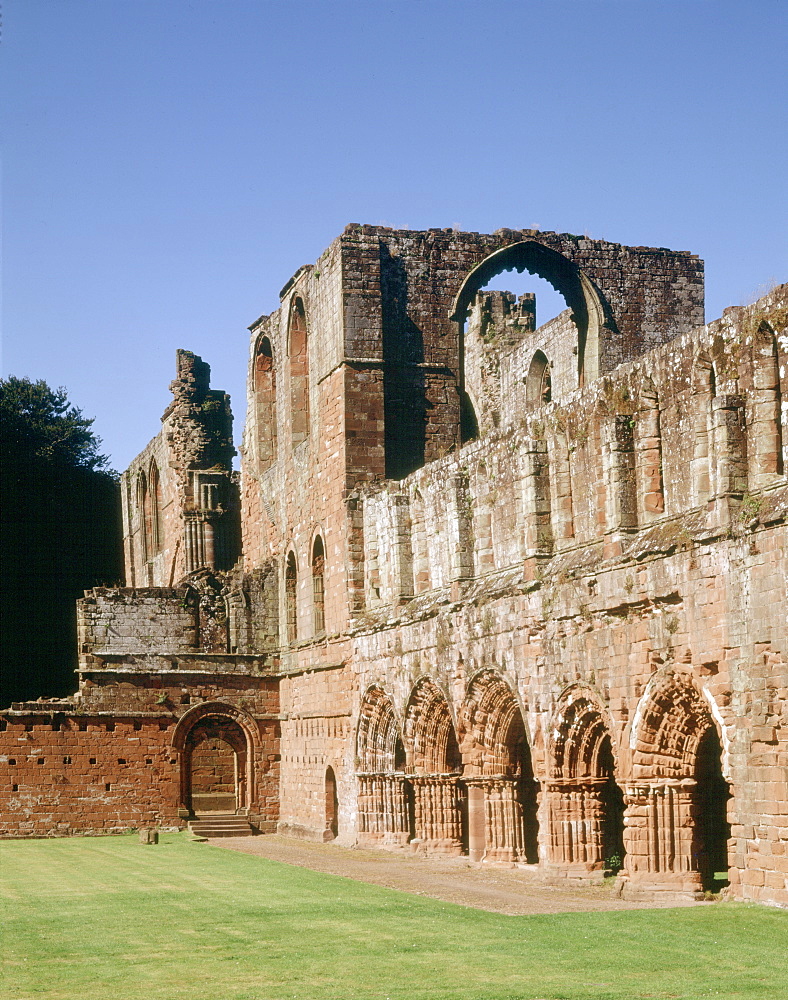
(39, 423)
(59, 532)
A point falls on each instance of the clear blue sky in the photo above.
(169, 164)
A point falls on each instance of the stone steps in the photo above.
(221, 825)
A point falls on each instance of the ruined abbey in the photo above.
(481, 587)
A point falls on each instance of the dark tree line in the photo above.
(60, 534)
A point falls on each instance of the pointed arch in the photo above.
(143, 504)
(670, 720)
(590, 312)
(430, 736)
(492, 722)
(291, 598)
(379, 746)
(154, 520)
(538, 384)
(298, 354)
(586, 804)
(318, 587)
(680, 794)
(264, 388)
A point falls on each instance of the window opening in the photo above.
(318, 590)
(291, 604)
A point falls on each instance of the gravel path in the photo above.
(513, 891)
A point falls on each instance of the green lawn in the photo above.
(110, 919)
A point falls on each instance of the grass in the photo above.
(100, 918)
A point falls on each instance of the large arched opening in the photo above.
(216, 744)
(589, 312)
(681, 794)
(216, 758)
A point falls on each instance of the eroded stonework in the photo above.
(482, 588)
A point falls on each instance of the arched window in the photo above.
(143, 504)
(299, 373)
(153, 523)
(318, 589)
(291, 599)
(469, 425)
(265, 404)
(538, 389)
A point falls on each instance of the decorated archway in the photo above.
(434, 766)
(216, 745)
(677, 829)
(502, 791)
(585, 802)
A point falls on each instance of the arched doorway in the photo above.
(332, 805)
(498, 772)
(215, 766)
(383, 793)
(434, 766)
(586, 804)
(681, 793)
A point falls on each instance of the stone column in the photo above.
(438, 813)
(382, 809)
(503, 831)
(577, 815)
(658, 835)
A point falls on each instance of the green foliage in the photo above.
(59, 534)
(37, 422)
(100, 917)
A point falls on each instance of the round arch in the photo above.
(590, 312)
(221, 712)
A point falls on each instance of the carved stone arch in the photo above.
(384, 800)
(679, 793)
(379, 744)
(578, 729)
(429, 730)
(669, 721)
(590, 312)
(238, 729)
(585, 802)
(492, 728)
(502, 792)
